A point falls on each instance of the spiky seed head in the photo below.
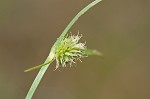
(69, 50)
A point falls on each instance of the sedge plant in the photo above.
(66, 50)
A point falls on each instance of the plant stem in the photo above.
(39, 76)
(51, 56)
(73, 21)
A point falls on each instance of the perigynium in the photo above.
(69, 50)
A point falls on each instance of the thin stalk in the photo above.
(51, 56)
(73, 21)
(39, 76)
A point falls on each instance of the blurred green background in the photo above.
(120, 29)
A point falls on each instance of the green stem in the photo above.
(73, 21)
(38, 78)
(51, 56)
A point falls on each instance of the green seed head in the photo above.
(69, 50)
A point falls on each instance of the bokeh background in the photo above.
(120, 29)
